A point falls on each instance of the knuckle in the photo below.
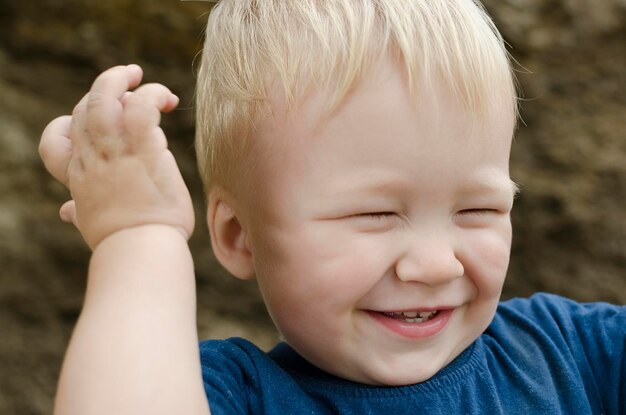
(156, 87)
(78, 109)
(139, 112)
(95, 101)
(135, 123)
(135, 99)
(152, 92)
(109, 73)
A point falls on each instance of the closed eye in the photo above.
(374, 222)
(375, 215)
(479, 211)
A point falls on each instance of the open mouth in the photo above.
(414, 324)
(412, 316)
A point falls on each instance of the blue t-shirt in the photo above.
(543, 355)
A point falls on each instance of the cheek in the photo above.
(348, 266)
(487, 259)
(313, 270)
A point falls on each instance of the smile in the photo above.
(412, 316)
(413, 324)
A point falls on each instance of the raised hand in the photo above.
(113, 157)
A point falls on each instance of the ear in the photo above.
(229, 237)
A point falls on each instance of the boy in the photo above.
(355, 156)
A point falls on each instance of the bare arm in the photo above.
(135, 347)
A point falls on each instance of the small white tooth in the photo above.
(426, 314)
(410, 314)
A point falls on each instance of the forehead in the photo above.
(384, 91)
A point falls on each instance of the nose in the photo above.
(431, 260)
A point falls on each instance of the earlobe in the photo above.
(229, 238)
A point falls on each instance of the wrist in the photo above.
(141, 256)
(147, 234)
(143, 250)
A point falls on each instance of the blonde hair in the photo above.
(254, 45)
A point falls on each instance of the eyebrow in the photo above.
(491, 183)
(486, 183)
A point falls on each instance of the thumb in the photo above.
(68, 213)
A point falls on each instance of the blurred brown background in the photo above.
(570, 226)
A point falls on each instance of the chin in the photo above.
(404, 379)
(397, 375)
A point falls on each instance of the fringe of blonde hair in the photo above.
(297, 45)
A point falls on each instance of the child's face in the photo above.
(383, 209)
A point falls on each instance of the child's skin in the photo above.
(383, 207)
(135, 347)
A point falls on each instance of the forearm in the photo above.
(135, 347)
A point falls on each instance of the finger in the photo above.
(143, 107)
(171, 103)
(142, 115)
(104, 107)
(68, 213)
(55, 147)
